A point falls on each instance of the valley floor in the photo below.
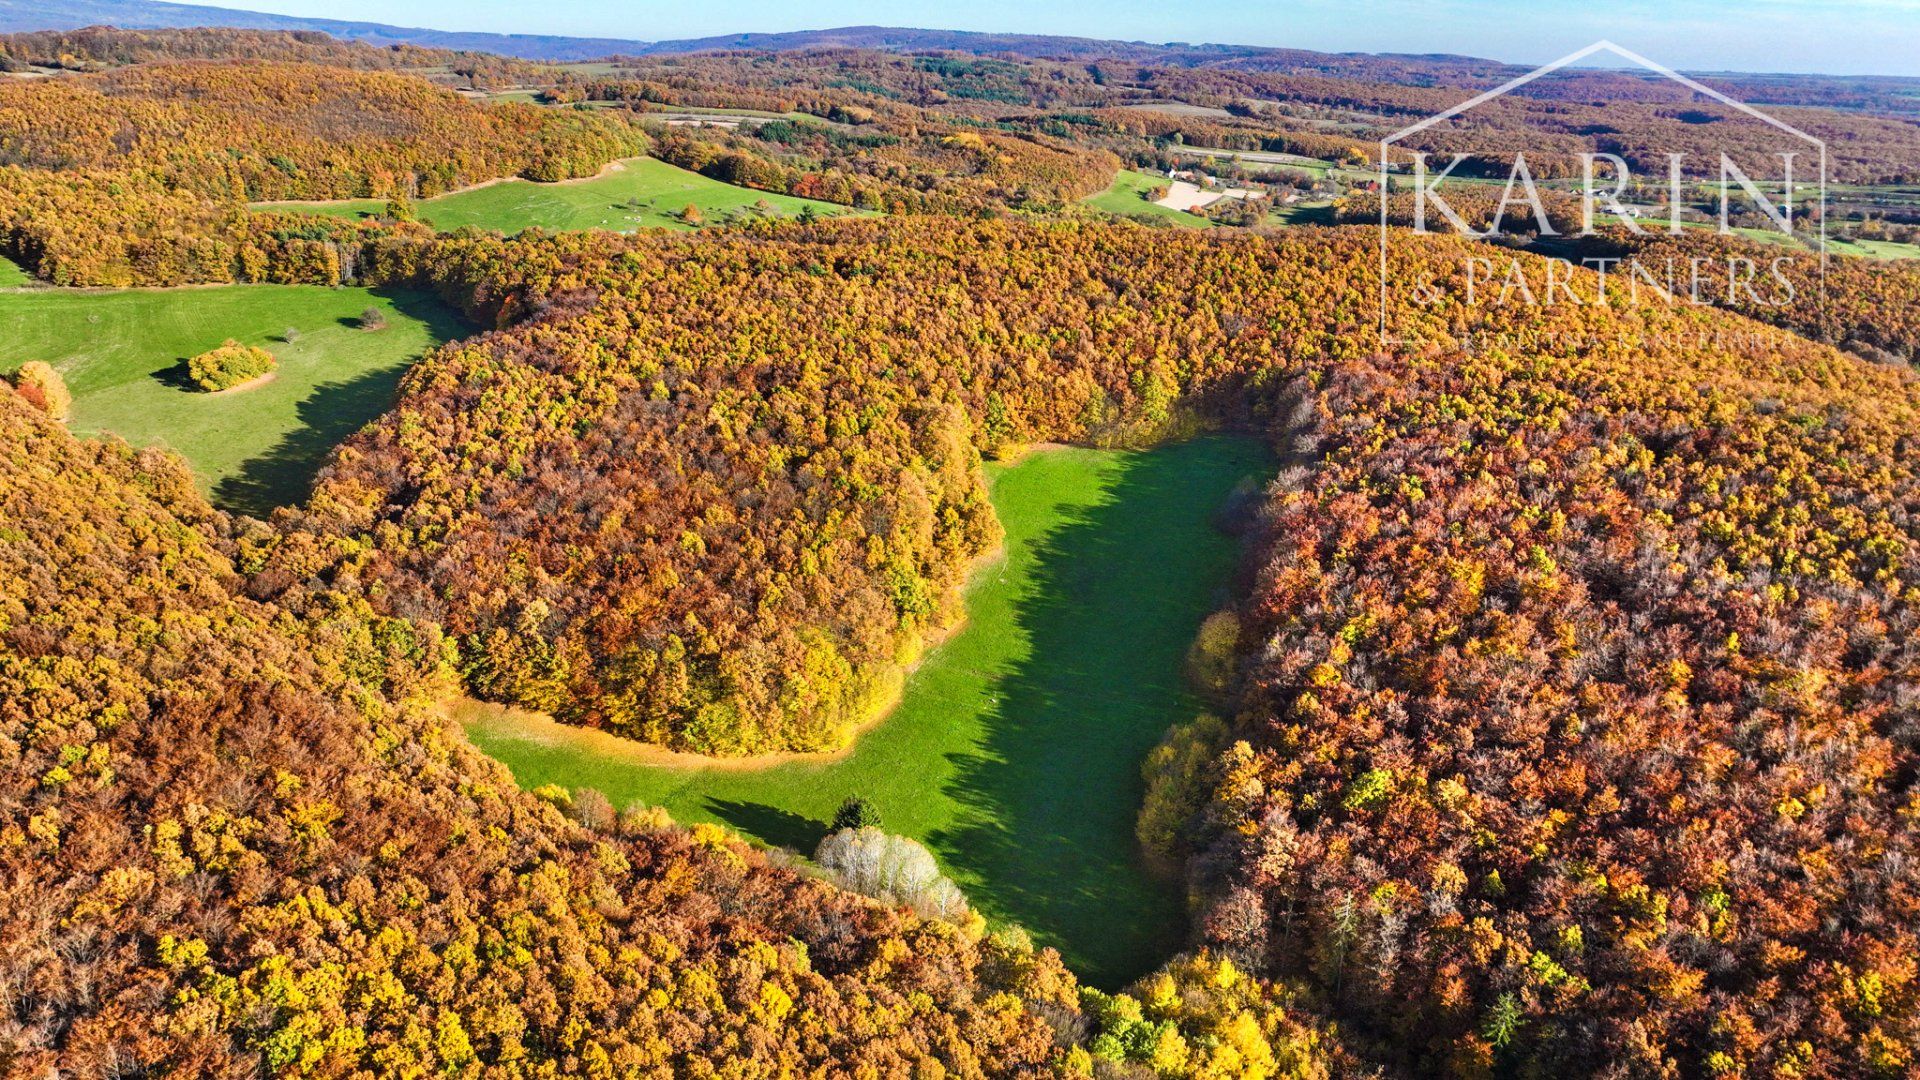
(1015, 753)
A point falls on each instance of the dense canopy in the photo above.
(1566, 692)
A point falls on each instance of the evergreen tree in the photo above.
(856, 813)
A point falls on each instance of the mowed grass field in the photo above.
(12, 276)
(1127, 198)
(1874, 249)
(123, 354)
(1015, 752)
(639, 193)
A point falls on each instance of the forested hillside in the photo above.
(237, 837)
(1869, 308)
(102, 46)
(1316, 109)
(139, 175)
(1574, 707)
(1537, 615)
(1565, 696)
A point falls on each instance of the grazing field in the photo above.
(1304, 213)
(639, 193)
(1015, 752)
(1316, 166)
(1179, 108)
(124, 356)
(1874, 249)
(1127, 198)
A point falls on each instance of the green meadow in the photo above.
(123, 353)
(639, 193)
(1873, 249)
(1127, 198)
(1015, 751)
(12, 276)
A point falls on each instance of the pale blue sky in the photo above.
(1836, 36)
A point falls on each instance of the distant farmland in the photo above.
(639, 193)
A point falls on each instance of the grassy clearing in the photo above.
(1127, 198)
(640, 193)
(1015, 752)
(124, 353)
(1766, 236)
(1874, 249)
(12, 276)
(654, 111)
(1312, 213)
(1869, 249)
(1319, 168)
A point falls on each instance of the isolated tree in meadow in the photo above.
(373, 319)
(1210, 658)
(856, 813)
(42, 386)
(692, 215)
(229, 365)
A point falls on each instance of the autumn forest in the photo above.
(865, 683)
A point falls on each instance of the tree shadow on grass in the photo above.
(1054, 792)
(284, 475)
(176, 377)
(782, 828)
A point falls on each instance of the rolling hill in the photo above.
(23, 15)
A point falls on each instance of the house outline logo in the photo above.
(1601, 46)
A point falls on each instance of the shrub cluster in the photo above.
(229, 365)
(894, 869)
(44, 389)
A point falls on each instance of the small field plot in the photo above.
(124, 353)
(12, 276)
(639, 193)
(1128, 198)
(1873, 249)
(1015, 752)
(1310, 213)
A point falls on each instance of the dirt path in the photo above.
(544, 730)
(1188, 196)
(254, 383)
(540, 728)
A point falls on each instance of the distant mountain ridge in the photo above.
(1409, 69)
(907, 38)
(18, 16)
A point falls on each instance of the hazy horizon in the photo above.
(1874, 37)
